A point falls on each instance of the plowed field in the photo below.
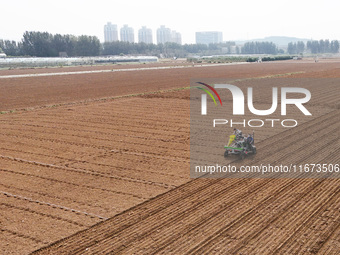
(23, 93)
(103, 172)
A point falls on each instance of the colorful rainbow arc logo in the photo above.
(208, 92)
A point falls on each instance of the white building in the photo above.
(165, 34)
(127, 34)
(145, 35)
(176, 37)
(209, 37)
(110, 32)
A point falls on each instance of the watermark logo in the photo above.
(261, 127)
(204, 97)
(238, 99)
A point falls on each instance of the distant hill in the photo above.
(279, 40)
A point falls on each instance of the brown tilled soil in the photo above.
(112, 176)
(65, 169)
(22, 93)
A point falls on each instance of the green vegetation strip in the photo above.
(232, 148)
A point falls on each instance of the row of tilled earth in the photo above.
(234, 216)
(65, 168)
(240, 216)
(33, 92)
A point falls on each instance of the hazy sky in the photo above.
(244, 19)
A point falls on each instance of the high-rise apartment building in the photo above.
(176, 37)
(110, 32)
(145, 35)
(209, 37)
(127, 34)
(165, 34)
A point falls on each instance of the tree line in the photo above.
(168, 49)
(43, 44)
(323, 46)
(260, 48)
(315, 47)
(296, 48)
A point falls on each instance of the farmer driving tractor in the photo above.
(239, 144)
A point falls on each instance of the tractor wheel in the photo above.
(226, 154)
